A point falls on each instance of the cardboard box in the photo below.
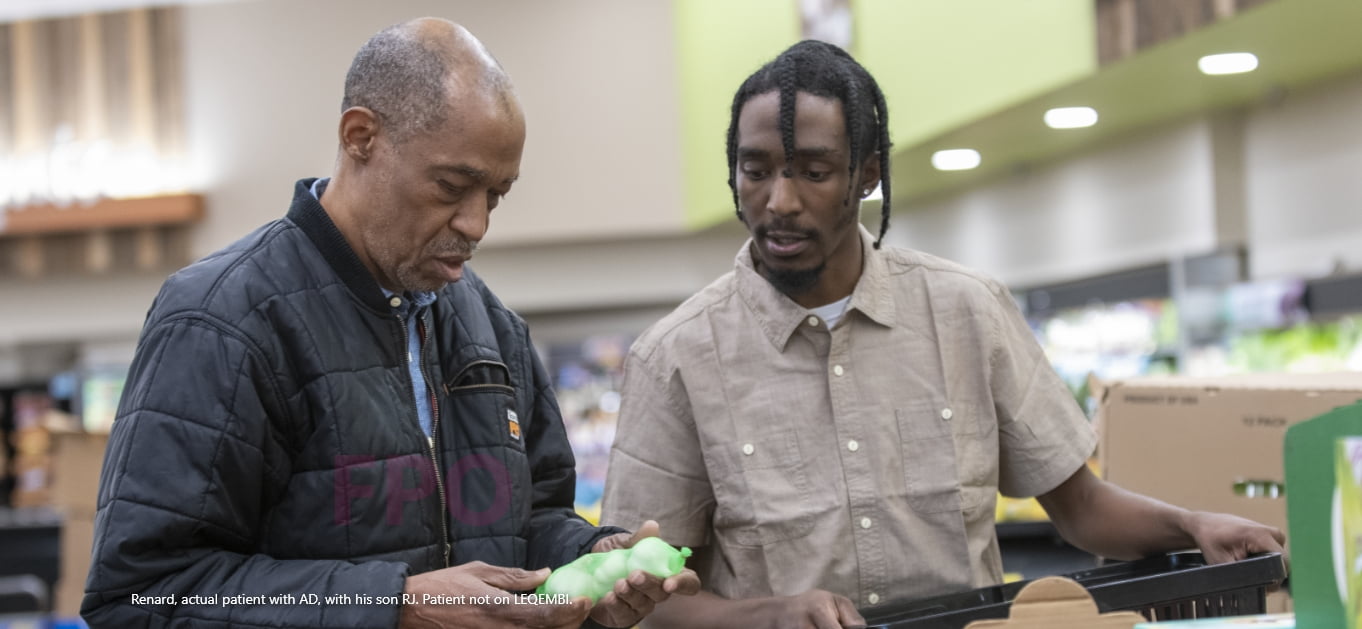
(77, 459)
(31, 440)
(1213, 444)
(77, 538)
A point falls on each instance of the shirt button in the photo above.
(873, 598)
(748, 449)
(865, 523)
(395, 302)
(853, 446)
(837, 370)
(946, 413)
(813, 321)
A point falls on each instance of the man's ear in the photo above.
(870, 175)
(358, 130)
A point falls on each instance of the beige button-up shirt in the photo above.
(863, 459)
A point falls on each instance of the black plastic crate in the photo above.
(1176, 586)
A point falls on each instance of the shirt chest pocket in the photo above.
(776, 503)
(947, 463)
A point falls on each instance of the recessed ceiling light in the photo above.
(955, 159)
(1228, 63)
(1071, 117)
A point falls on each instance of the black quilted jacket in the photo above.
(267, 445)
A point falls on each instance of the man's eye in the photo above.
(754, 173)
(450, 190)
(817, 175)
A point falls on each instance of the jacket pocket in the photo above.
(778, 490)
(480, 375)
(482, 413)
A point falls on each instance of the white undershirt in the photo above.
(832, 313)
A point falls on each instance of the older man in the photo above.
(333, 422)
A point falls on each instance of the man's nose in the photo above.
(784, 197)
(471, 221)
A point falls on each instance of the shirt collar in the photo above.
(778, 316)
(418, 299)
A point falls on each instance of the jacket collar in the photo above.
(308, 214)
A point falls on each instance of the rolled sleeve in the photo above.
(1043, 435)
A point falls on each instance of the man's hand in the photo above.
(477, 579)
(815, 609)
(635, 596)
(1223, 538)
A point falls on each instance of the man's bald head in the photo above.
(409, 74)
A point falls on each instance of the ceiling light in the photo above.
(1228, 63)
(955, 159)
(1071, 117)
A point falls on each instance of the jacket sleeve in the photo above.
(194, 461)
(557, 534)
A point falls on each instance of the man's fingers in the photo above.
(686, 583)
(649, 529)
(645, 585)
(640, 590)
(627, 596)
(1223, 555)
(626, 540)
(847, 614)
(509, 579)
(825, 617)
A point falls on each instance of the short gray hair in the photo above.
(401, 79)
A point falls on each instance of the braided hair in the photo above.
(820, 69)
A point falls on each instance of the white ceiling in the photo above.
(16, 10)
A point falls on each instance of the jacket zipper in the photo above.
(434, 431)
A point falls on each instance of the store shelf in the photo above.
(1328, 296)
(104, 214)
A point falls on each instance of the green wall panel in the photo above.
(941, 63)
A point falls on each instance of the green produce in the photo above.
(594, 575)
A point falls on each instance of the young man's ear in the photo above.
(870, 175)
(358, 129)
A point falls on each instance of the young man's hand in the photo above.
(1224, 538)
(816, 609)
(634, 597)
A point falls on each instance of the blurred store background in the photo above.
(1169, 187)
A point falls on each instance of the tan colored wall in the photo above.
(596, 79)
(263, 84)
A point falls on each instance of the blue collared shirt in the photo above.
(410, 309)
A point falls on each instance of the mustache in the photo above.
(461, 247)
(784, 225)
